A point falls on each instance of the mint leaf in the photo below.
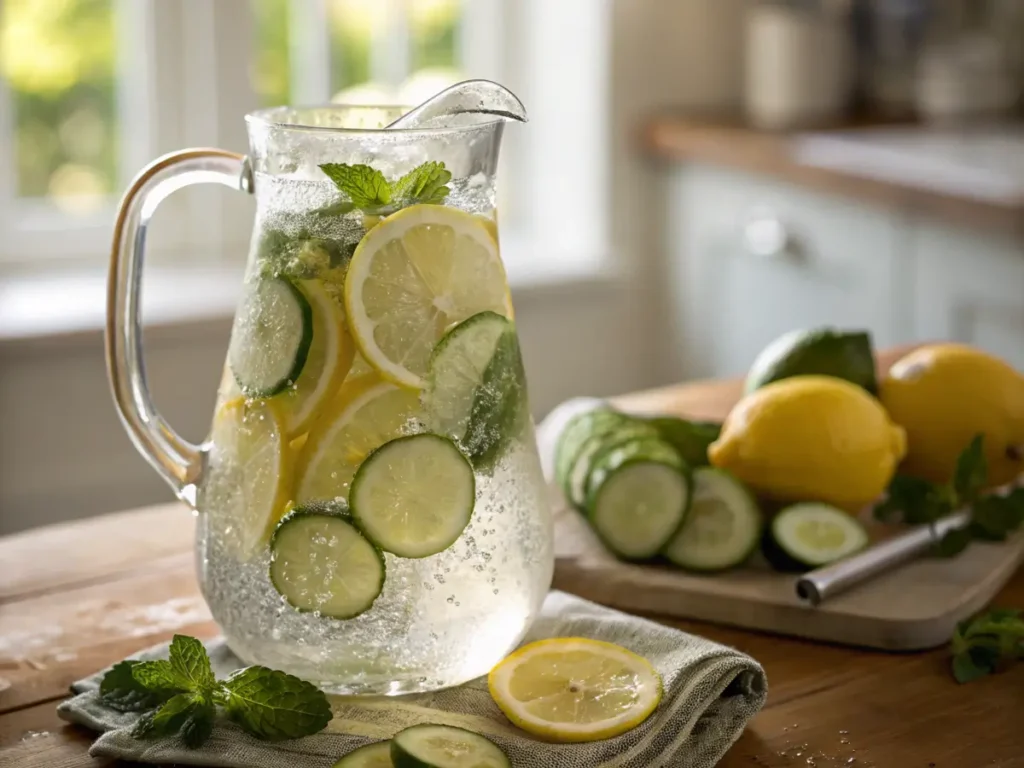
(198, 725)
(120, 691)
(965, 670)
(160, 675)
(190, 662)
(168, 719)
(953, 542)
(274, 705)
(913, 501)
(987, 641)
(366, 186)
(423, 184)
(971, 471)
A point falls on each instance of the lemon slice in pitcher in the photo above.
(414, 276)
(367, 413)
(575, 689)
(248, 474)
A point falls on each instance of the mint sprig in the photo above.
(368, 189)
(919, 502)
(180, 695)
(984, 644)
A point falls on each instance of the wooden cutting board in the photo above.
(913, 607)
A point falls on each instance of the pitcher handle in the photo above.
(178, 461)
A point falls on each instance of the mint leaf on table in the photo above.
(366, 186)
(120, 691)
(168, 718)
(274, 705)
(158, 675)
(985, 643)
(198, 726)
(971, 471)
(423, 184)
(955, 541)
(189, 661)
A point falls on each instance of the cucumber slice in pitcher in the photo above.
(271, 337)
(638, 497)
(722, 527)
(809, 535)
(319, 561)
(414, 496)
(445, 746)
(371, 756)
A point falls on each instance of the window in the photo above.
(91, 90)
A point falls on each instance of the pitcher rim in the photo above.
(264, 118)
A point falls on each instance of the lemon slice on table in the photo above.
(414, 276)
(575, 689)
(248, 474)
(327, 362)
(367, 413)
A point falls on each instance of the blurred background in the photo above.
(698, 176)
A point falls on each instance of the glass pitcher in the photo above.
(371, 511)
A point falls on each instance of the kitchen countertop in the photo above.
(77, 597)
(972, 178)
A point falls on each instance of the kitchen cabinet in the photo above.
(751, 258)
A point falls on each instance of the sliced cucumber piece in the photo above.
(414, 496)
(271, 338)
(371, 756)
(444, 746)
(319, 561)
(638, 498)
(574, 434)
(625, 431)
(810, 535)
(475, 386)
(722, 527)
(690, 438)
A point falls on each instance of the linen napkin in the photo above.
(711, 693)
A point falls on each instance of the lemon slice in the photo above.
(367, 413)
(248, 475)
(575, 689)
(414, 276)
(327, 362)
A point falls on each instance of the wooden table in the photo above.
(77, 597)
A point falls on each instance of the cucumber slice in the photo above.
(722, 527)
(414, 496)
(271, 338)
(371, 756)
(810, 535)
(475, 386)
(445, 746)
(639, 495)
(690, 438)
(625, 431)
(319, 561)
(574, 434)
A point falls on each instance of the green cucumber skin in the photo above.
(651, 448)
(403, 759)
(366, 463)
(325, 509)
(300, 354)
(777, 555)
(606, 440)
(575, 434)
(355, 759)
(755, 541)
(487, 438)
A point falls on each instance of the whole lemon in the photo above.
(945, 394)
(814, 438)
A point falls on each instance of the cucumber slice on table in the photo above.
(625, 431)
(444, 746)
(319, 561)
(638, 495)
(271, 337)
(722, 527)
(474, 392)
(371, 756)
(810, 535)
(414, 495)
(575, 433)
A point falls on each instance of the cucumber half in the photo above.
(445, 746)
(722, 527)
(371, 756)
(271, 338)
(638, 498)
(575, 433)
(810, 535)
(320, 562)
(626, 430)
(414, 495)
